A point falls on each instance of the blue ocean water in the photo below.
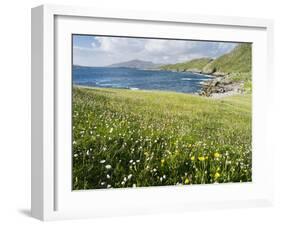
(129, 78)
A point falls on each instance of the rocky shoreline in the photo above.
(221, 86)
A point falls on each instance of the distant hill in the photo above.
(138, 64)
(238, 60)
(78, 66)
(195, 65)
(233, 71)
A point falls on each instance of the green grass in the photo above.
(237, 77)
(240, 77)
(124, 138)
(238, 60)
(192, 65)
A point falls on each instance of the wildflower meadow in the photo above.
(132, 138)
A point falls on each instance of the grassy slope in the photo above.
(193, 65)
(237, 63)
(238, 60)
(158, 138)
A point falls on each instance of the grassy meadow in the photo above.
(124, 138)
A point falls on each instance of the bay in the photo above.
(130, 78)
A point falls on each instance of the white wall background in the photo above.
(15, 111)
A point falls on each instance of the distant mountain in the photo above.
(74, 66)
(138, 64)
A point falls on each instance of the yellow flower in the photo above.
(217, 175)
(162, 161)
(201, 158)
(186, 181)
(192, 158)
(217, 155)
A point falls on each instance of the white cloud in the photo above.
(113, 44)
(108, 50)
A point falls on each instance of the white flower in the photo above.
(108, 176)
(102, 161)
(75, 155)
(131, 161)
(134, 185)
(130, 176)
(102, 183)
(123, 182)
(111, 129)
(108, 186)
(108, 166)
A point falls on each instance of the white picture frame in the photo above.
(52, 197)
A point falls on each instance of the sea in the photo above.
(137, 79)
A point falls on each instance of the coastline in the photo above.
(219, 85)
(213, 86)
(212, 96)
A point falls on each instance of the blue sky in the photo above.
(91, 50)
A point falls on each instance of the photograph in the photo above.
(152, 111)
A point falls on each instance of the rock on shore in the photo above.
(221, 85)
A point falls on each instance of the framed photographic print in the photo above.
(136, 113)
